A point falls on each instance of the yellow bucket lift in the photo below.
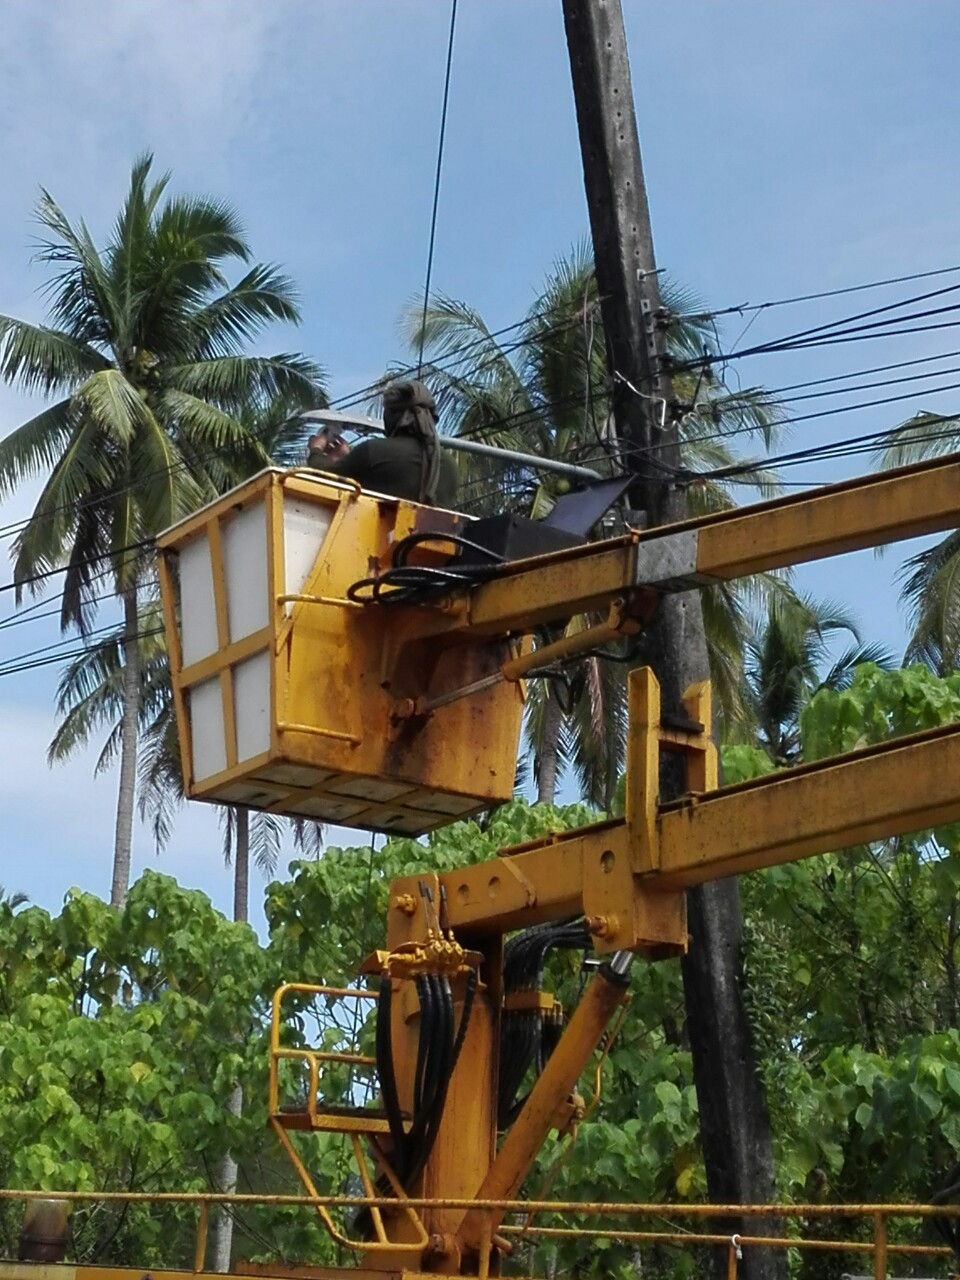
(291, 697)
(295, 694)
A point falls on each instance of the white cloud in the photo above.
(182, 69)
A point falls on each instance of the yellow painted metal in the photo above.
(900, 786)
(312, 1115)
(331, 748)
(415, 1245)
(365, 702)
(618, 624)
(867, 511)
(203, 1223)
(556, 1081)
(878, 1246)
(904, 785)
(564, 875)
(642, 778)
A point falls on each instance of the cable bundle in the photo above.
(530, 1035)
(437, 1053)
(405, 583)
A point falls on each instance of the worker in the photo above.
(407, 462)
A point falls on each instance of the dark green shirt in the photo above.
(392, 466)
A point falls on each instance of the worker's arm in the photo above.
(337, 459)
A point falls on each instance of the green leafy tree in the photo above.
(541, 389)
(143, 357)
(125, 1033)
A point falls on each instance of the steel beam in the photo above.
(907, 784)
(868, 512)
(897, 787)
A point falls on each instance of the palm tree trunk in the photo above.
(226, 1183)
(241, 866)
(227, 1172)
(549, 753)
(123, 840)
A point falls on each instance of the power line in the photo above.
(820, 337)
(874, 386)
(16, 667)
(436, 185)
(75, 564)
(850, 446)
(826, 293)
(860, 373)
(73, 641)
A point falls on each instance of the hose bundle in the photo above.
(529, 1036)
(405, 583)
(438, 1050)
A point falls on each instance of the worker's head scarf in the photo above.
(410, 410)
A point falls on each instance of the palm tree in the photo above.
(11, 901)
(143, 354)
(931, 578)
(785, 665)
(543, 389)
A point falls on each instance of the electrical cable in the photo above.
(874, 386)
(14, 666)
(403, 583)
(436, 185)
(826, 293)
(837, 339)
(778, 392)
(75, 564)
(845, 448)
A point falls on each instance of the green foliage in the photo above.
(123, 1033)
(117, 1053)
(877, 705)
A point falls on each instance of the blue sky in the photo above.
(788, 147)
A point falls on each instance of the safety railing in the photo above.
(353, 1121)
(313, 1059)
(727, 1226)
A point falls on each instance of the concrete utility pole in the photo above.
(735, 1124)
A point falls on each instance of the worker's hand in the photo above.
(332, 450)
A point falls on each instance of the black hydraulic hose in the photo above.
(425, 998)
(530, 1038)
(431, 1036)
(409, 584)
(443, 1062)
(385, 1070)
(402, 549)
(429, 1139)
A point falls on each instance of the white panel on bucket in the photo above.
(206, 725)
(305, 526)
(244, 540)
(251, 705)
(198, 613)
